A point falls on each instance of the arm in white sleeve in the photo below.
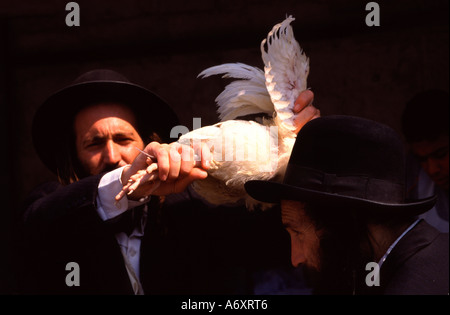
(110, 185)
(107, 208)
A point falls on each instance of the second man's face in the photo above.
(433, 156)
(106, 137)
(305, 242)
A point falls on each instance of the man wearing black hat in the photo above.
(343, 204)
(76, 238)
(87, 133)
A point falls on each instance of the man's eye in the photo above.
(440, 154)
(93, 144)
(124, 140)
(295, 232)
(422, 159)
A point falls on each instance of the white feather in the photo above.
(286, 68)
(248, 150)
(249, 92)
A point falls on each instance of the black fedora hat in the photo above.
(53, 120)
(346, 161)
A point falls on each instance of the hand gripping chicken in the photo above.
(245, 149)
(257, 149)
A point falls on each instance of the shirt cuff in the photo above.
(110, 185)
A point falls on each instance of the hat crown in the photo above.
(348, 161)
(346, 145)
(349, 156)
(101, 75)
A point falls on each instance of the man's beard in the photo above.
(342, 269)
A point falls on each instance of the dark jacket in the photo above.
(418, 264)
(188, 247)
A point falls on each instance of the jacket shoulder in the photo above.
(426, 271)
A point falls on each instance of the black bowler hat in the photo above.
(53, 120)
(346, 161)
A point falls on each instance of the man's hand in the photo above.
(173, 167)
(304, 109)
(170, 170)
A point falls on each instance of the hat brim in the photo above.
(274, 192)
(54, 118)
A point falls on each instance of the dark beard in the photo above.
(342, 270)
(344, 251)
(331, 280)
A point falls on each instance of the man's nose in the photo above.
(297, 254)
(111, 153)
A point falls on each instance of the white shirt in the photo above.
(110, 185)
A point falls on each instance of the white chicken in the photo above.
(245, 149)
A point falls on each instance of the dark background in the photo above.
(163, 45)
